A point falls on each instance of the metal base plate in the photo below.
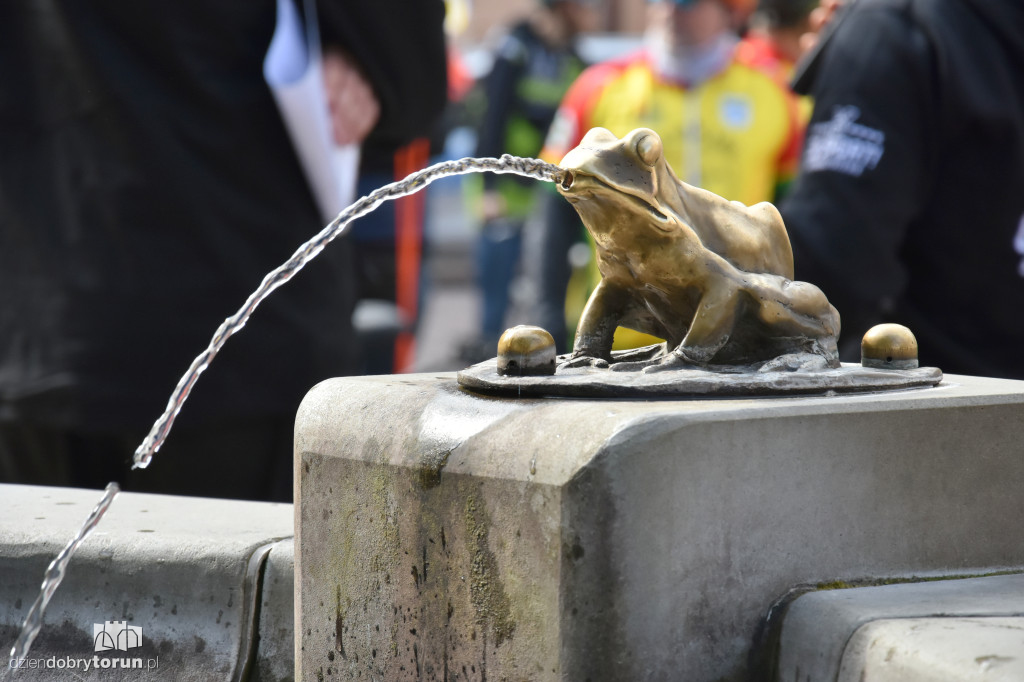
(593, 382)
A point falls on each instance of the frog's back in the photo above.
(752, 238)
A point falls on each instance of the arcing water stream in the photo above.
(531, 168)
(55, 574)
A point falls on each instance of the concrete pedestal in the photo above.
(446, 536)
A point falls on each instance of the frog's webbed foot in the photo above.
(795, 362)
(674, 360)
(637, 366)
(582, 360)
(638, 358)
(642, 354)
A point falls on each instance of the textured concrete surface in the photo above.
(936, 650)
(855, 630)
(443, 535)
(185, 570)
(275, 649)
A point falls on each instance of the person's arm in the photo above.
(500, 90)
(864, 174)
(400, 47)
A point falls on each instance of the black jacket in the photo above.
(147, 185)
(910, 203)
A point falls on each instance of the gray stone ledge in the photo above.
(829, 630)
(184, 569)
(936, 650)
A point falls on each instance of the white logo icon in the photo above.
(842, 145)
(116, 635)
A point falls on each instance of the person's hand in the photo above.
(492, 205)
(353, 106)
(818, 19)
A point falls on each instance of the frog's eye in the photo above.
(648, 148)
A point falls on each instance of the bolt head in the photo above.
(526, 350)
(889, 346)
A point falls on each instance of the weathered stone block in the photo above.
(188, 571)
(444, 535)
(936, 650)
(955, 630)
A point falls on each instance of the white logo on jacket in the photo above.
(843, 146)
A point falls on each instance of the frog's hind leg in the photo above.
(800, 314)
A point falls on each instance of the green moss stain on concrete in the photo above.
(487, 593)
(835, 585)
(384, 520)
(366, 544)
(432, 462)
(878, 582)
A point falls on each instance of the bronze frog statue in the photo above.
(712, 277)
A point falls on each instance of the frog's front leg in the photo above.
(710, 330)
(596, 330)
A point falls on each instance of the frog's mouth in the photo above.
(577, 187)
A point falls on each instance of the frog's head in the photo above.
(610, 180)
(630, 200)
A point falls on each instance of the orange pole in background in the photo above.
(409, 214)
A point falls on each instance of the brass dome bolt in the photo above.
(526, 350)
(889, 346)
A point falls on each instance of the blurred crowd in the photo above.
(147, 183)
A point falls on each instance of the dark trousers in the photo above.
(497, 258)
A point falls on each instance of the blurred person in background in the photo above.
(773, 43)
(774, 34)
(389, 243)
(909, 206)
(727, 124)
(147, 184)
(534, 66)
